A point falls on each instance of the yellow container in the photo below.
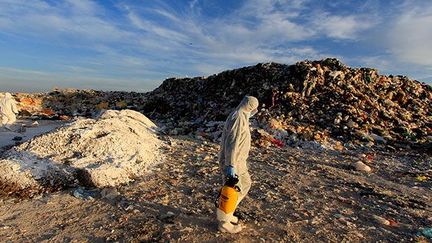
(228, 199)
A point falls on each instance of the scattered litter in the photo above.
(84, 194)
(393, 223)
(381, 220)
(421, 178)
(17, 138)
(278, 143)
(426, 232)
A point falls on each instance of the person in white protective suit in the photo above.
(235, 146)
(8, 110)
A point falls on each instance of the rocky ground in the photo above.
(298, 195)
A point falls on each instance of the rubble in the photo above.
(66, 103)
(308, 101)
(324, 101)
(111, 150)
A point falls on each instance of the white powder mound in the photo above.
(24, 174)
(110, 150)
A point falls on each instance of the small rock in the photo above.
(381, 220)
(360, 166)
(84, 194)
(339, 146)
(17, 138)
(136, 211)
(5, 227)
(378, 139)
(168, 217)
(109, 193)
(21, 129)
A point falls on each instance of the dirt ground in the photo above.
(297, 195)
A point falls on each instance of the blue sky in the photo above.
(136, 44)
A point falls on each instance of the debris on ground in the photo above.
(308, 101)
(316, 195)
(381, 220)
(426, 232)
(66, 103)
(84, 194)
(323, 101)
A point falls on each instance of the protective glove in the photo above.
(230, 171)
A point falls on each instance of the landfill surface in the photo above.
(308, 101)
(323, 101)
(339, 154)
(297, 195)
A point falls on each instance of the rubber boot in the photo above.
(227, 227)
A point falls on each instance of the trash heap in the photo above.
(67, 103)
(111, 150)
(324, 101)
(309, 101)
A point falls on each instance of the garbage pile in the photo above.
(111, 150)
(313, 103)
(67, 103)
(309, 101)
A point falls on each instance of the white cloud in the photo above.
(341, 27)
(193, 3)
(79, 69)
(78, 19)
(82, 7)
(387, 64)
(267, 20)
(155, 29)
(410, 37)
(186, 42)
(378, 62)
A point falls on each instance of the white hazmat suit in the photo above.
(8, 110)
(235, 146)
